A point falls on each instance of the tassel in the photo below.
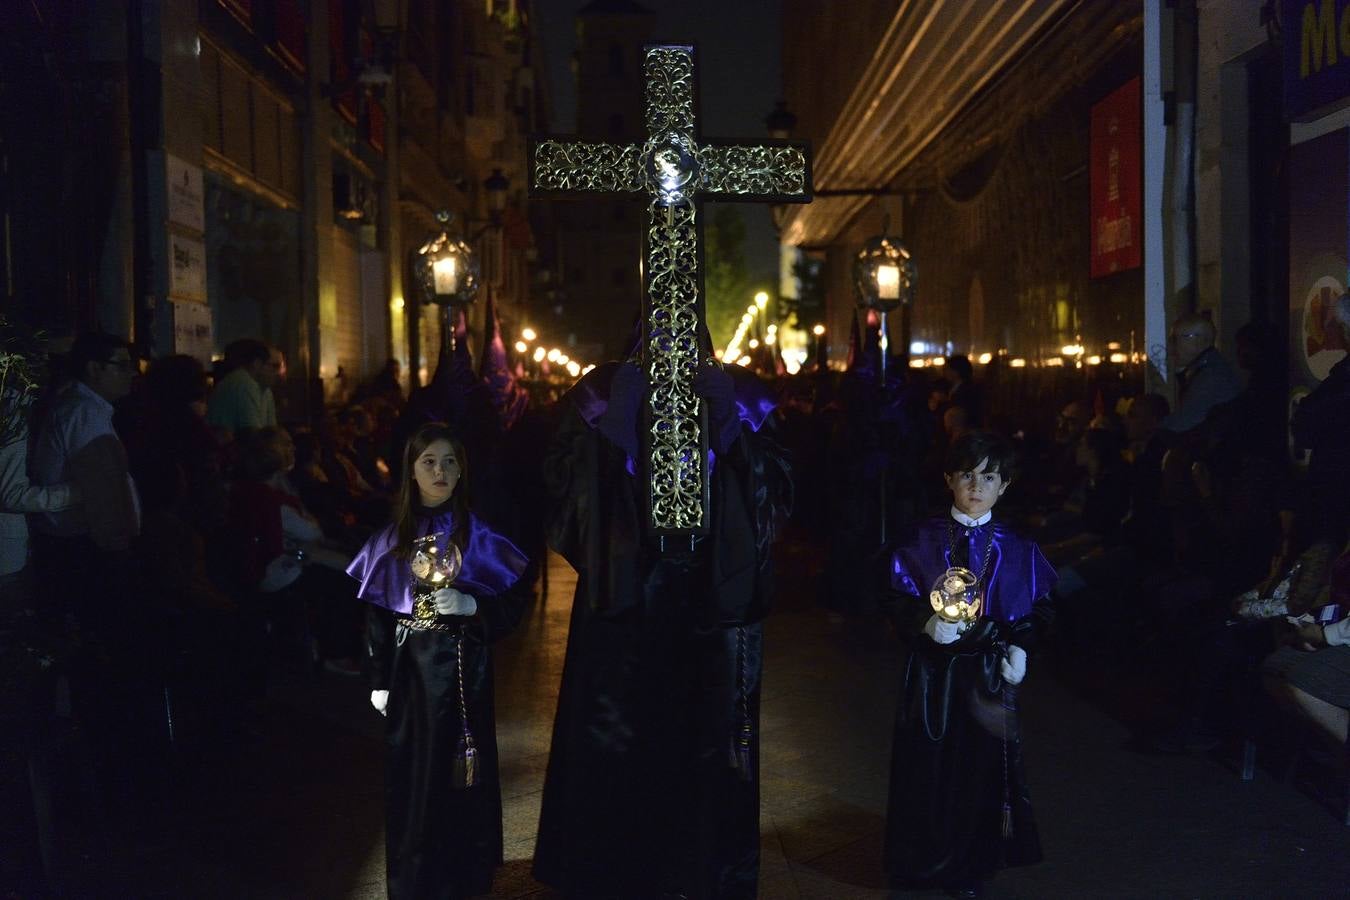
(466, 764)
(740, 753)
(1007, 821)
(466, 757)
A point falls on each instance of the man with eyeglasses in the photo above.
(243, 400)
(75, 442)
(1207, 379)
(84, 563)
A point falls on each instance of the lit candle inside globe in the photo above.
(956, 596)
(888, 282)
(445, 274)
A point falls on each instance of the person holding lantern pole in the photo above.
(441, 587)
(974, 599)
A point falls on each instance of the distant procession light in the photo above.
(521, 346)
(573, 369)
(529, 334)
(770, 338)
(754, 344)
(986, 358)
(553, 355)
(818, 330)
(539, 354)
(761, 300)
(1119, 358)
(1094, 360)
(938, 361)
(1018, 363)
(743, 361)
(396, 304)
(917, 348)
(918, 363)
(1054, 361)
(1072, 350)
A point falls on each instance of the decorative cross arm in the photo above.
(676, 173)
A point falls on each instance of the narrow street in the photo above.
(299, 814)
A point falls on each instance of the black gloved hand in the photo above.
(715, 386)
(623, 415)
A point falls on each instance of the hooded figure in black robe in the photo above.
(652, 785)
(959, 808)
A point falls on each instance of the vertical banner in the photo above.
(1116, 181)
(1319, 201)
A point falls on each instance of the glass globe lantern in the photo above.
(446, 269)
(956, 596)
(884, 274)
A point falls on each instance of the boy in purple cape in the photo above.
(959, 807)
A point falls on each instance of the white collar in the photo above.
(92, 396)
(963, 519)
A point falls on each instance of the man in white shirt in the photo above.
(242, 400)
(75, 443)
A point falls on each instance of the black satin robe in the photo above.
(440, 841)
(957, 750)
(662, 670)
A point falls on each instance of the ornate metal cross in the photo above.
(675, 171)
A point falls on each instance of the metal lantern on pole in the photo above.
(446, 272)
(884, 277)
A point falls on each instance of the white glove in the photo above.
(450, 602)
(380, 700)
(1013, 667)
(942, 631)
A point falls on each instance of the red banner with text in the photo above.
(1117, 181)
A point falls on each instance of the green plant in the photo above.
(18, 380)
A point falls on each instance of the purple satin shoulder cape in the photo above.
(1019, 574)
(492, 564)
(754, 401)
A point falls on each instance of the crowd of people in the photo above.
(203, 538)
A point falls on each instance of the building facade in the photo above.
(264, 168)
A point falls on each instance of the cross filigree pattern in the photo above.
(674, 171)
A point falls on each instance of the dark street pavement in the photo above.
(297, 813)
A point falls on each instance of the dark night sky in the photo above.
(738, 65)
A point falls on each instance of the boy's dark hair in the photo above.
(93, 346)
(967, 451)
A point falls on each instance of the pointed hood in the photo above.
(495, 370)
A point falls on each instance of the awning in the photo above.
(934, 57)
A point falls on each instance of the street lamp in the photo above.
(884, 276)
(445, 271)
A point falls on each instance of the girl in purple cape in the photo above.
(431, 676)
(959, 807)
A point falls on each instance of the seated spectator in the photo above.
(1312, 674)
(1207, 378)
(282, 557)
(1223, 654)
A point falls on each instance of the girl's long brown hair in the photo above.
(408, 499)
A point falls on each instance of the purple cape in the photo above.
(492, 564)
(1019, 574)
(754, 402)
